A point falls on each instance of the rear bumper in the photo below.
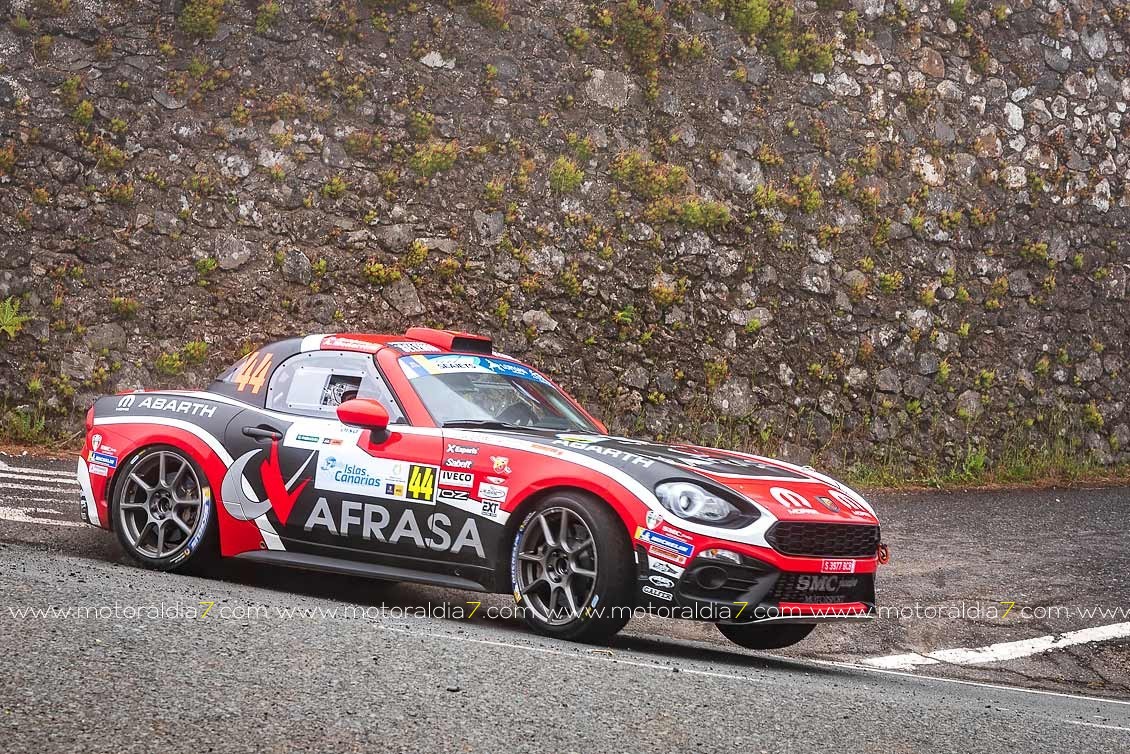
(88, 507)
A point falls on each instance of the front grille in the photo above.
(824, 540)
(823, 588)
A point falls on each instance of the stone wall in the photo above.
(869, 231)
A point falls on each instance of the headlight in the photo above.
(694, 503)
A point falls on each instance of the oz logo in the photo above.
(422, 483)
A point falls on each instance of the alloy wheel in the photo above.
(557, 565)
(160, 505)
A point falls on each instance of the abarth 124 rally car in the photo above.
(428, 457)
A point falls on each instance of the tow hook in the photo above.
(884, 554)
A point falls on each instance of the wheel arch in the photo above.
(523, 508)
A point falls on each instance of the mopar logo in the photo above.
(126, 403)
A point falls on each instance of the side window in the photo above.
(315, 383)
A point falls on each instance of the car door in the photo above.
(346, 491)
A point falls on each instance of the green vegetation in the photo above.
(565, 176)
(196, 351)
(645, 177)
(169, 364)
(377, 273)
(201, 18)
(11, 321)
(434, 157)
(335, 187)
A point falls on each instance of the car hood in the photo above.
(786, 491)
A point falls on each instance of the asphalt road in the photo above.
(103, 656)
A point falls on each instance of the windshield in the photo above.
(458, 389)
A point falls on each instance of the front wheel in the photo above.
(164, 514)
(765, 635)
(572, 569)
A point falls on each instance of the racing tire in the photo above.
(163, 511)
(767, 635)
(572, 569)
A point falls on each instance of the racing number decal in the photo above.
(422, 483)
(253, 372)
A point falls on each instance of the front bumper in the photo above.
(755, 591)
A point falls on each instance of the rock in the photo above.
(734, 398)
(79, 364)
(539, 320)
(434, 60)
(1090, 369)
(1013, 116)
(739, 173)
(932, 169)
(168, 101)
(928, 363)
(609, 89)
(546, 260)
(489, 226)
(888, 380)
(930, 63)
(334, 155)
(402, 296)
(394, 238)
(870, 9)
(1058, 58)
(233, 165)
(107, 336)
(844, 85)
(296, 267)
(856, 378)
(1094, 44)
(816, 279)
(969, 405)
(785, 375)
(232, 252)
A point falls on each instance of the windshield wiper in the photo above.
(482, 424)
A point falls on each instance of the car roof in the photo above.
(415, 340)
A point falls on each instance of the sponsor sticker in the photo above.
(163, 403)
(657, 593)
(662, 566)
(501, 464)
(95, 442)
(99, 470)
(456, 478)
(660, 552)
(653, 519)
(668, 543)
(394, 490)
(340, 476)
(661, 581)
(837, 566)
(422, 483)
(493, 492)
(350, 344)
(446, 494)
(490, 509)
(104, 458)
(413, 346)
(307, 438)
(331, 441)
(461, 450)
(458, 463)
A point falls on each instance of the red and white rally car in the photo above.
(427, 457)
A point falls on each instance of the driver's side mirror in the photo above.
(365, 413)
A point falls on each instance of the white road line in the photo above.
(36, 478)
(737, 677)
(22, 516)
(577, 656)
(69, 474)
(7, 487)
(27, 500)
(961, 682)
(1096, 725)
(1008, 650)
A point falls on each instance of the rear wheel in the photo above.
(163, 510)
(572, 569)
(767, 635)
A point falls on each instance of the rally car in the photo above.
(428, 457)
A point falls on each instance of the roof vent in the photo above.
(452, 340)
